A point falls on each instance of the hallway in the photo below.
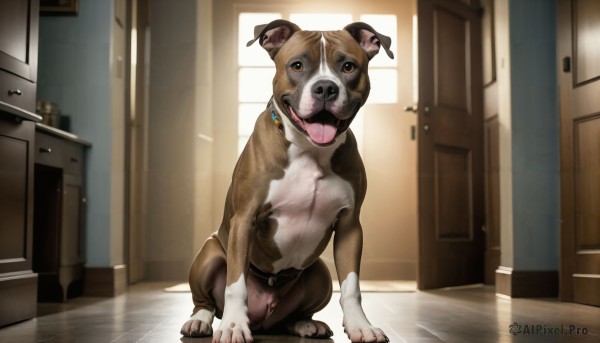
(147, 314)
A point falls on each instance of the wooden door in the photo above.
(450, 163)
(579, 81)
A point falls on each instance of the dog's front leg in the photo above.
(234, 325)
(348, 243)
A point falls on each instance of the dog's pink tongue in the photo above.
(321, 133)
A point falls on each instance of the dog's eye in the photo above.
(348, 67)
(297, 66)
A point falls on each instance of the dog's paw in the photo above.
(196, 328)
(199, 324)
(367, 333)
(310, 328)
(233, 329)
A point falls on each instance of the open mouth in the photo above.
(322, 128)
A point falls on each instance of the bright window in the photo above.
(321, 21)
(250, 56)
(255, 75)
(382, 70)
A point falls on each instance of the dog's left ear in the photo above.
(273, 35)
(369, 39)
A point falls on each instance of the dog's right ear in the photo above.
(273, 35)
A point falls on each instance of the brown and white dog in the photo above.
(298, 181)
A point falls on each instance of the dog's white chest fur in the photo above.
(305, 203)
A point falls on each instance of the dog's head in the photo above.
(321, 78)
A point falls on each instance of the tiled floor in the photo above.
(147, 314)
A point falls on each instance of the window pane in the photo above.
(247, 115)
(242, 140)
(358, 128)
(384, 24)
(384, 86)
(253, 55)
(255, 84)
(321, 21)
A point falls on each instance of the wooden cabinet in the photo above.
(18, 70)
(18, 284)
(18, 53)
(59, 213)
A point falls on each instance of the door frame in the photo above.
(136, 137)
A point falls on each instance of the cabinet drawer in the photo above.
(56, 152)
(73, 159)
(49, 150)
(17, 91)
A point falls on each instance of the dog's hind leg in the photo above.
(317, 293)
(207, 283)
(310, 294)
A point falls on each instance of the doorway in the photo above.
(384, 130)
(388, 135)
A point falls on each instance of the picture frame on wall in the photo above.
(59, 7)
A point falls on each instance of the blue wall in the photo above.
(74, 72)
(535, 135)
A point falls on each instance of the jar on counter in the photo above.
(49, 112)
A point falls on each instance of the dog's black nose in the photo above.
(325, 90)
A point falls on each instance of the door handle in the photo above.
(413, 109)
